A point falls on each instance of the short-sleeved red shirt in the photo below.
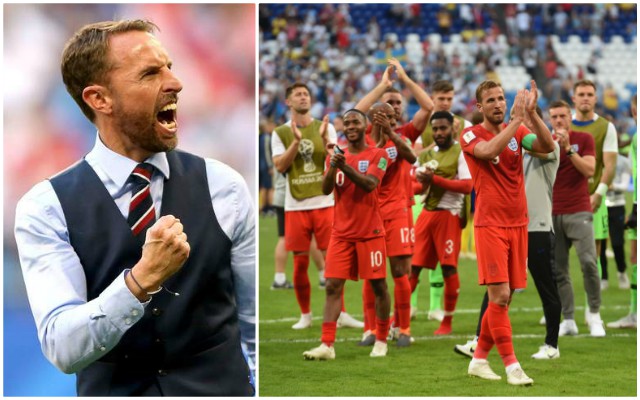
(408, 130)
(357, 212)
(393, 188)
(499, 183)
(571, 189)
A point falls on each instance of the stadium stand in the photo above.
(342, 47)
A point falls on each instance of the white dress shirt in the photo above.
(74, 332)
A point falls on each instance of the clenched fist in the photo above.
(164, 252)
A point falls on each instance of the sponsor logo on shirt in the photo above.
(392, 152)
(575, 147)
(363, 166)
(468, 137)
(513, 144)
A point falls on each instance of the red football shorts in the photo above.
(438, 239)
(502, 255)
(300, 225)
(350, 260)
(398, 236)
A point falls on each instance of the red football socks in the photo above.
(402, 297)
(451, 289)
(500, 326)
(382, 329)
(485, 340)
(301, 284)
(369, 305)
(329, 333)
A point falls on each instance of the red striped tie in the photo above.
(141, 211)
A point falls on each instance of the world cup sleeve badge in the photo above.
(468, 137)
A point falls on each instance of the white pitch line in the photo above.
(433, 338)
(462, 311)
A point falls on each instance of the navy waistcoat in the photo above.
(187, 345)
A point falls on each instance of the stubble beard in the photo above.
(140, 130)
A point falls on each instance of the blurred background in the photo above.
(213, 51)
(340, 51)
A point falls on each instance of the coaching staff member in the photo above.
(131, 303)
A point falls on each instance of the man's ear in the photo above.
(98, 98)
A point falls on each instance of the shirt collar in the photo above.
(118, 167)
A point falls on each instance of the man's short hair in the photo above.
(442, 115)
(442, 86)
(378, 106)
(296, 85)
(84, 58)
(559, 103)
(355, 110)
(391, 90)
(584, 82)
(484, 86)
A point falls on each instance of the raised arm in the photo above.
(421, 117)
(284, 160)
(544, 141)
(404, 149)
(329, 179)
(488, 150)
(585, 165)
(372, 97)
(324, 131)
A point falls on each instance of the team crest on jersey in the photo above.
(574, 147)
(513, 144)
(392, 152)
(363, 166)
(468, 137)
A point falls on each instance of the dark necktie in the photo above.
(141, 212)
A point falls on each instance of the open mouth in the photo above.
(167, 116)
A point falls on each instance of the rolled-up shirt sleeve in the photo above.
(233, 206)
(73, 332)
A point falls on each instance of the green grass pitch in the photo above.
(587, 366)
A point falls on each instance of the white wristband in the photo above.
(602, 189)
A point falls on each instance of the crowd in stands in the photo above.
(340, 50)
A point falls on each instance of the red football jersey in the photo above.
(571, 189)
(357, 213)
(409, 131)
(393, 188)
(499, 183)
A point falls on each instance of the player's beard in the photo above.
(446, 142)
(140, 127)
(494, 119)
(302, 111)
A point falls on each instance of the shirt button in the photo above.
(102, 348)
(134, 313)
(156, 312)
(162, 372)
(127, 321)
